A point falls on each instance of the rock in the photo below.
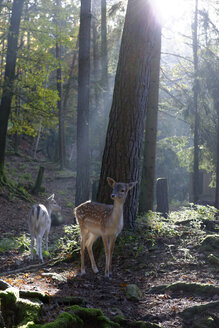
(210, 243)
(55, 276)
(133, 293)
(213, 260)
(4, 285)
(33, 294)
(28, 311)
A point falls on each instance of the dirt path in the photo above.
(168, 260)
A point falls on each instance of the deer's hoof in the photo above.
(83, 272)
(95, 270)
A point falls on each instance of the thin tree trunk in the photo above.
(104, 52)
(70, 78)
(7, 93)
(38, 140)
(122, 153)
(82, 178)
(60, 89)
(196, 112)
(146, 198)
(104, 75)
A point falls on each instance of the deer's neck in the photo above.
(49, 210)
(117, 213)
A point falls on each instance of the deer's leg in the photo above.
(32, 246)
(37, 246)
(89, 244)
(83, 239)
(40, 248)
(106, 247)
(47, 240)
(112, 241)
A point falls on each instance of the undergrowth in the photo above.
(152, 228)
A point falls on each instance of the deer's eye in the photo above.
(122, 190)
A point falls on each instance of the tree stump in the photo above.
(39, 180)
(162, 196)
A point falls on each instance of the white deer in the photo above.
(39, 222)
(96, 219)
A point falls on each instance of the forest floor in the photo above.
(167, 252)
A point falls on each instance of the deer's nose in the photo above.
(113, 196)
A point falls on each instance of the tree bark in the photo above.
(146, 198)
(39, 180)
(82, 178)
(122, 153)
(196, 113)
(217, 165)
(7, 92)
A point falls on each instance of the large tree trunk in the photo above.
(149, 156)
(82, 178)
(196, 188)
(122, 153)
(7, 93)
(217, 167)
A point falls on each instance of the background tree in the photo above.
(7, 93)
(82, 178)
(59, 84)
(121, 158)
(196, 185)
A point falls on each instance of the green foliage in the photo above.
(7, 244)
(21, 243)
(70, 242)
(151, 229)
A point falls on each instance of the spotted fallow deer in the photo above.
(97, 219)
(39, 222)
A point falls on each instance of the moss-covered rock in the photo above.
(193, 311)
(27, 294)
(4, 285)
(9, 296)
(190, 288)
(133, 293)
(118, 315)
(210, 243)
(8, 299)
(28, 311)
(71, 300)
(92, 317)
(64, 320)
(213, 260)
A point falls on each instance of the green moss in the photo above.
(34, 295)
(92, 317)
(64, 320)
(27, 311)
(9, 296)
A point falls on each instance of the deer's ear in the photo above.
(111, 182)
(51, 197)
(132, 184)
